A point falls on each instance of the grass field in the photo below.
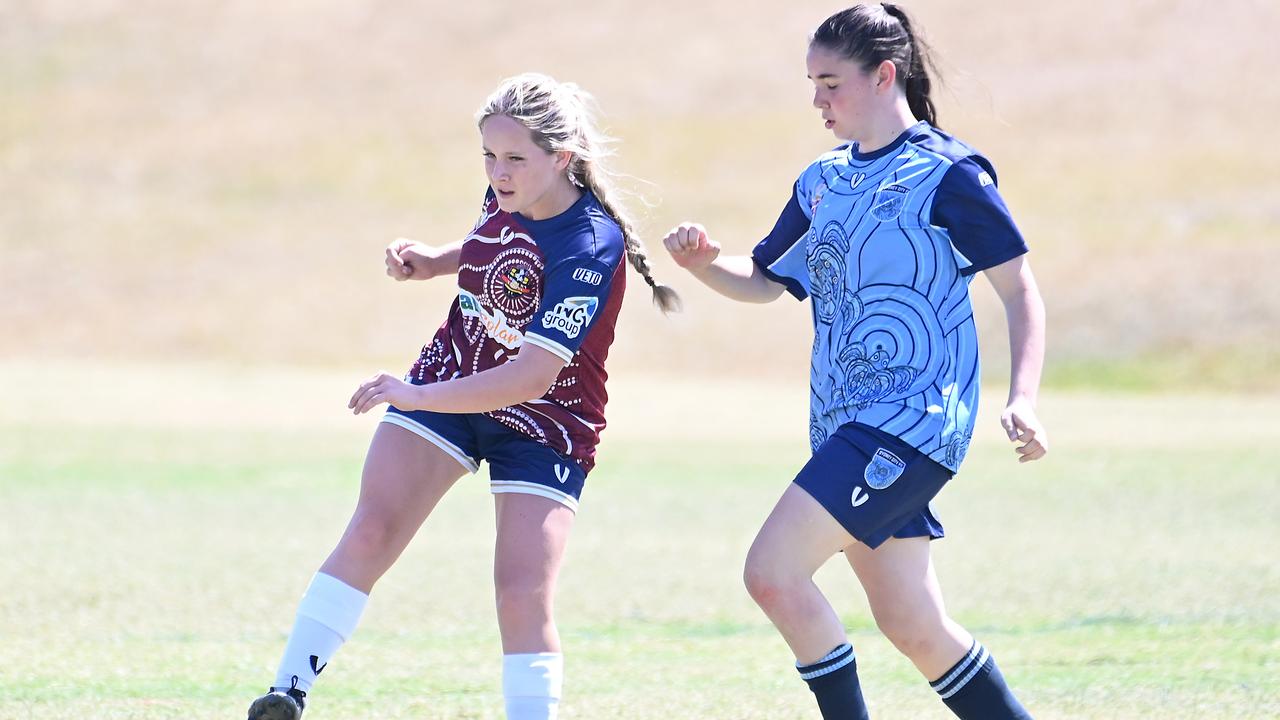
(160, 523)
(197, 195)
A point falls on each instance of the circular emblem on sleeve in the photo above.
(513, 284)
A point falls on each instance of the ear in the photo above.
(563, 158)
(886, 74)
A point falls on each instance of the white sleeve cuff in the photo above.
(550, 346)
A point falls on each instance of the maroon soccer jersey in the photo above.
(555, 283)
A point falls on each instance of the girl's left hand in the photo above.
(383, 388)
(1021, 425)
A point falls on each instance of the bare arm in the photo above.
(526, 378)
(735, 276)
(410, 260)
(1024, 310)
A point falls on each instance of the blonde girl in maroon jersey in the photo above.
(515, 377)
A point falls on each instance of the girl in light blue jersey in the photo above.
(883, 234)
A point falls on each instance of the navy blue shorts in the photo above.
(875, 485)
(517, 463)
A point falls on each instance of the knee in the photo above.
(371, 534)
(765, 583)
(914, 634)
(521, 597)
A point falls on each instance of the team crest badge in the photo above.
(888, 202)
(883, 470)
(513, 284)
(516, 281)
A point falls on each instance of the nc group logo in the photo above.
(570, 316)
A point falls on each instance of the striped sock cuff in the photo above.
(958, 676)
(834, 660)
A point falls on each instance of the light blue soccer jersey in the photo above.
(885, 244)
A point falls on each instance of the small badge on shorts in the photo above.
(884, 468)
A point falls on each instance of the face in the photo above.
(524, 176)
(843, 91)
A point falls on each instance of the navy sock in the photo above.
(974, 689)
(834, 682)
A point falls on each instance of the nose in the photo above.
(500, 170)
(818, 100)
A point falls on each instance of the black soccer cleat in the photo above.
(279, 704)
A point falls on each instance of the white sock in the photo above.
(531, 685)
(327, 616)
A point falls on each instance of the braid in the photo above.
(590, 176)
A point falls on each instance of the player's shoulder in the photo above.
(949, 149)
(828, 163)
(600, 236)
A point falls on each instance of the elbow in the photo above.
(536, 385)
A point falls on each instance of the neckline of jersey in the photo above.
(891, 147)
(574, 211)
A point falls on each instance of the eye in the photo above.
(488, 155)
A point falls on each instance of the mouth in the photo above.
(504, 194)
(829, 123)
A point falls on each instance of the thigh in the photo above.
(404, 476)
(797, 538)
(533, 532)
(899, 578)
(403, 479)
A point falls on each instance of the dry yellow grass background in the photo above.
(216, 181)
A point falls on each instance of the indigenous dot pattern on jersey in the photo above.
(554, 283)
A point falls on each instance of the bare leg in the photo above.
(532, 534)
(906, 602)
(404, 478)
(797, 538)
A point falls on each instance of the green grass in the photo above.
(151, 561)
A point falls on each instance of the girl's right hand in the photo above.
(409, 260)
(690, 247)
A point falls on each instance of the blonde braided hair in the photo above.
(560, 116)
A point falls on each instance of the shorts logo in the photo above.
(883, 469)
(888, 201)
(562, 474)
(495, 323)
(858, 497)
(570, 316)
(590, 277)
